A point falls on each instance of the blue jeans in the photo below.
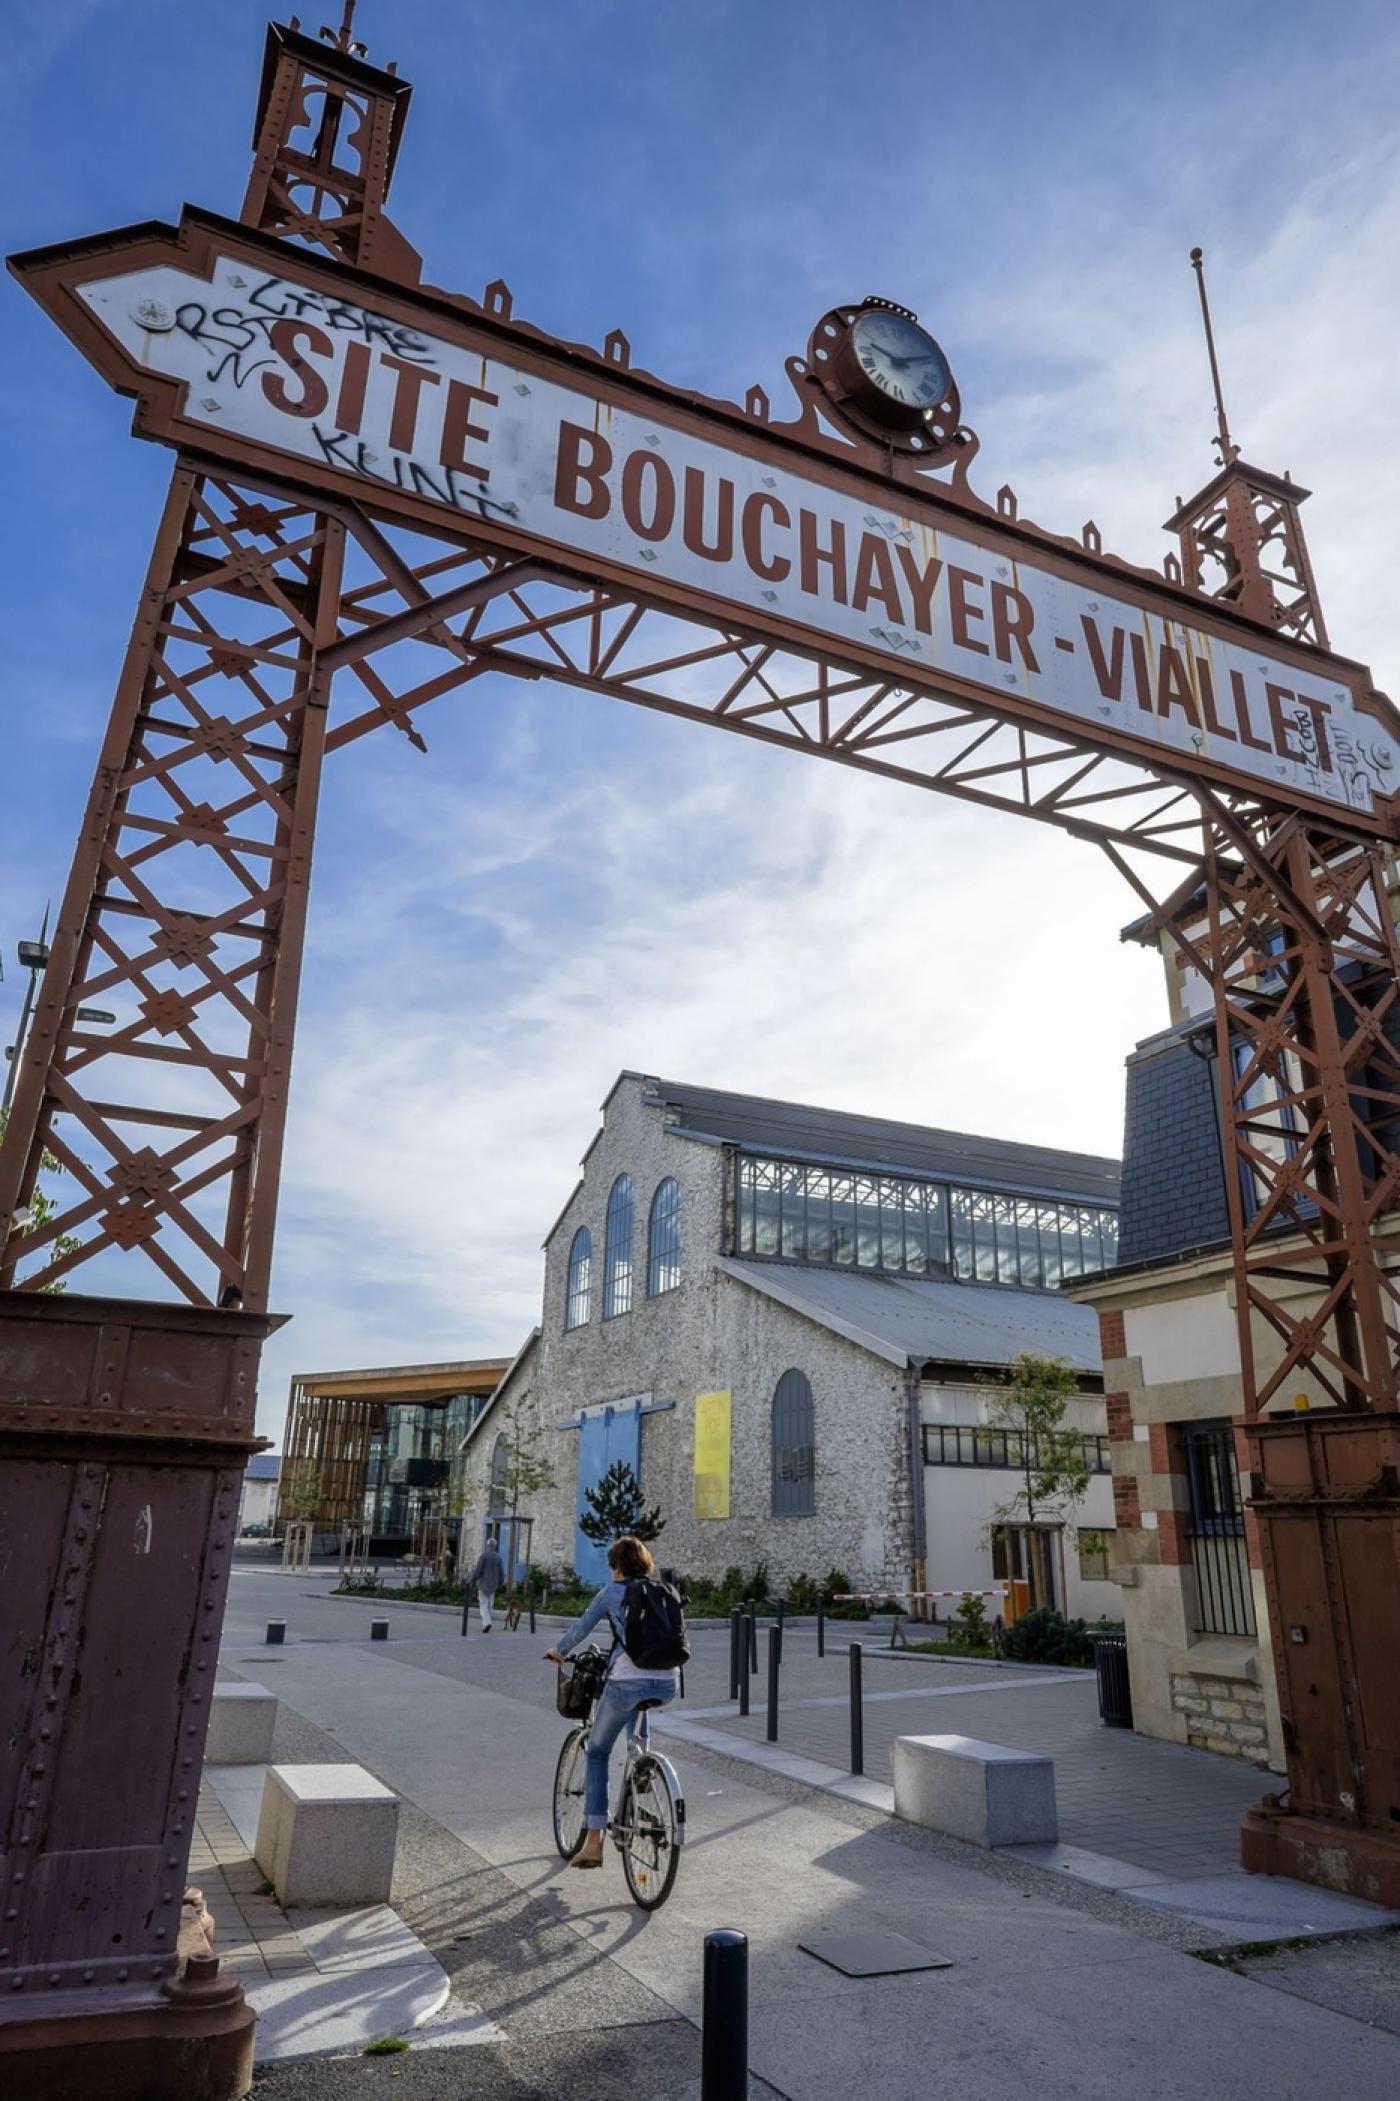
(616, 1711)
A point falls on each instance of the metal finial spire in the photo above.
(1228, 449)
(344, 37)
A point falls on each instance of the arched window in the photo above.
(794, 1447)
(617, 1250)
(664, 1239)
(578, 1295)
(500, 1467)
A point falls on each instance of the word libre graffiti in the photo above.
(507, 441)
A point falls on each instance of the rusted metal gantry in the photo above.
(842, 591)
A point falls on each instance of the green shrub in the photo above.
(758, 1582)
(834, 1583)
(1043, 1636)
(967, 1628)
(802, 1594)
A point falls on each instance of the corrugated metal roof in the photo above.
(263, 1466)
(918, 1320)
(872, 1141)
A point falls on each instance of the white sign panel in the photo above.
(336, 384)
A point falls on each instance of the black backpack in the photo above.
(653, 1625)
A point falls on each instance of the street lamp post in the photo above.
(34, 957)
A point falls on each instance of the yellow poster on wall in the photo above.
(712, 1454)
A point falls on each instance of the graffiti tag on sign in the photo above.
(450, 421)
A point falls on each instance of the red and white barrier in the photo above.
(910, 1597)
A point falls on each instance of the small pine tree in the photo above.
(615, 1507)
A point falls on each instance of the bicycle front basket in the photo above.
(580, 1682)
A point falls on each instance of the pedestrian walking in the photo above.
(487, 1576)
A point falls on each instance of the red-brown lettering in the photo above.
(1206, 684)
(1247, 735)
(772, 568)
(284, 337)
(811, 553)
(457, 426)
(961, 611)
(650, 512)
(1173, 686)
(693, 517)
(1013, 618)
(350, 406)
(1140, 678)
(1107, 670)
(922, 583)
(409, 385)
(875, 577)
(579, 484)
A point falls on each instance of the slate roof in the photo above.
(263, 1466)
(1173, 1184)
(921, 1320)
(798, 1130)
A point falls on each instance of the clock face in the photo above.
(900, 360)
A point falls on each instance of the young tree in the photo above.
(1051, 1467)
(527, 1470)
(41, 1210)
(615, 1506)
(299, 1491)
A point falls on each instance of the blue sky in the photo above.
(565, 886)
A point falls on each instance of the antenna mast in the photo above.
(1228, 450)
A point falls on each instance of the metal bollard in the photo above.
(736, 1621)
(821, 1626)
(724, 2033)
(775, 1664)
(276, 1632)
(530, 1600)
(744, 1683)
(782, 1610)
(857, 1714)
(379, 1630)
(466, 1612)
(753, 1640)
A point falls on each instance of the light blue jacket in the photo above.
(608, 1604)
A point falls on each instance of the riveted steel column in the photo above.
(125, 1429)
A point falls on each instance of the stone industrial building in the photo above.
(789, 1323)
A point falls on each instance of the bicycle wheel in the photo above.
(649, 1833)
(568, 1793)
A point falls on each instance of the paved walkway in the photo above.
(1072, 1986)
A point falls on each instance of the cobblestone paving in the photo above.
(253, 1937)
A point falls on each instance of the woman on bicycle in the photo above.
(627, 1687)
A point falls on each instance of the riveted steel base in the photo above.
(125, 1428)
(1362, 1864)
(191, 2042)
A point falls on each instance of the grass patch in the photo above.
(387, 2046)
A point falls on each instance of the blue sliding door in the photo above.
(605, 1436)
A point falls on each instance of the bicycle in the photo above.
(648, 1827)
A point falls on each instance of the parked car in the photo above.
(256, 1532)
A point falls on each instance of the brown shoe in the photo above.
(587, 1858)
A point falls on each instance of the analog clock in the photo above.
(893, 365)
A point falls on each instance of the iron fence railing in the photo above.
(1219, 1551)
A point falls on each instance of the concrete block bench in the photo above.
(242, 1718)
(326, 1835)
(982, 1793)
